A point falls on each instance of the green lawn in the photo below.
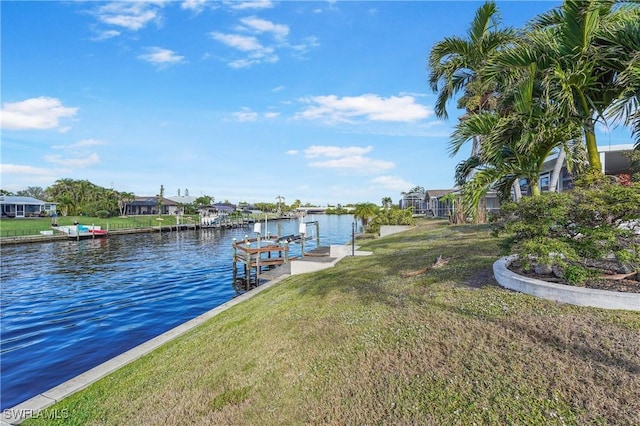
(33, 226)
(360, 344)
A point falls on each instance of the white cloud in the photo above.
(35, 113)
(16, 177)
(237, 41)
(299, 50)
(105, 35)
(245, 115)
(256, 24)
(88, 142)
(255, 4)
(196, 6)
(130, 15)
(78, 162)
(292, 152)
(368, 106)
(335, 151)
(394, 183)
(80, 144)
(257, 52)
(349, 159)
(356, 163)
(258, 47)
(248, 115)
(23, 170)
(161, 57)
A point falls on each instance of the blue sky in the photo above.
(325, 102)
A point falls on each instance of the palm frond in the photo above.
(474, 125)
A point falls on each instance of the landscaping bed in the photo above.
(628, 285)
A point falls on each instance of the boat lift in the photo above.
(268, 252)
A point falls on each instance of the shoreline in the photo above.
(63, 237)
(34, 405)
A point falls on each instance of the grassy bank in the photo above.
(33, 226)
(360, 344)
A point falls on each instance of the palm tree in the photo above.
(517, 138)
(386, 202)
(280, 200)
(580, 50)
(364, 212)
(455, 62)
(123, 199)
(622, 54)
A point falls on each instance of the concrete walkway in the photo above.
(33, 406)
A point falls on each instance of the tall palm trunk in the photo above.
(535, 186)
(592, 147)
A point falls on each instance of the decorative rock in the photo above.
(558, 271)
(542, 269)
(626, 269)
(563, 293)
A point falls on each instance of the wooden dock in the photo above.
(268, 258)
(258, 254)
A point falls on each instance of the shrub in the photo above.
(568, 229)
(103, 214)
(576, 274)
(393, 216)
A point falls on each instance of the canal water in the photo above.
(68, 306)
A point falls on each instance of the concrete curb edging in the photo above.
(32, 406)
(563, 293)
(386, 230)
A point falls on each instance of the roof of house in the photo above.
(14, 199)
(226, 207)
(184, 199)
(437, 193)
(152, 201)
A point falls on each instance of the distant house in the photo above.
(439, 205)
(227, 208)
(215, 210)
(416, 200)
(150, 205)
(435, 204)
(14, 206)
(183, 199)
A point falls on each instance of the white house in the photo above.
(15, 206)
(613, 159)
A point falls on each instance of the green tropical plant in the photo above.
(582, 227)
(386, 202)
(516, 139)
(123, 199)
(364, 212)
(581, 49)
(393, 216)
(455, 62)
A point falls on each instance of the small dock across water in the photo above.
(269, 257)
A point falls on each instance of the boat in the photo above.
(82, 231)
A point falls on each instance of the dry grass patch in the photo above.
(359, 344)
